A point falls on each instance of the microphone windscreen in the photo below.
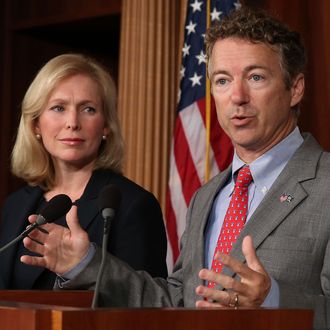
(57, 207)
(109, 198)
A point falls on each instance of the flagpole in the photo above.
(207, 104)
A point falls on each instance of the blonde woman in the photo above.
(69, 141)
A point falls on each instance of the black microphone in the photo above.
(109, 200)
(58, 206)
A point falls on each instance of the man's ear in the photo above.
(297, 89)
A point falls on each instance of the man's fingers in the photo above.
(36, 248)
(235, 265)
(216, 298)
(208, 275)
(33, 245)
(252, 261)
(72, 220)
(250, 289)
(32, 218)
(38, 235)
(249, 252)
(35, 240)
(225, 281)
(43, 230)
(207, 304)
(33, 261)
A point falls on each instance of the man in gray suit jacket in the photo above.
(282, 256)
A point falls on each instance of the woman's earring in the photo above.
(38, 136)
(104, 137)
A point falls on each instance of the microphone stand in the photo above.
(24, 234)
(108, 215)
(58, 206)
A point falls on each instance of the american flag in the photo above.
(188, 169)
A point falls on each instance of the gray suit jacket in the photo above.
(291, 240)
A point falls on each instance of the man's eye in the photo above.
(256, 77)
(221, 81)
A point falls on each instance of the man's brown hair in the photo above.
(259, 27)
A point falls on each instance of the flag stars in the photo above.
(182, 71)
(215, 14)
(191, 27)
(201, 58)
(196, 80)
(185, 50)
(196, 6)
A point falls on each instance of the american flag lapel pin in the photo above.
(286, 198)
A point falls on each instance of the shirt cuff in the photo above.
(273, 298)
(73, 272)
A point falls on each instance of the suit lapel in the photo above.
(272, 211)
(204, 203)
(88, 204)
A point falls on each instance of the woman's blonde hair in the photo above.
(30, 160)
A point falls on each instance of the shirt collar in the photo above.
(266, 168)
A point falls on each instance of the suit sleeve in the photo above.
(291, 297)
(122, 286)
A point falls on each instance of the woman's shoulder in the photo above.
(19, 196)
(126, 185)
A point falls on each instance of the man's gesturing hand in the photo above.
(250, 290)
(60, 248)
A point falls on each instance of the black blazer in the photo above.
(137, 234)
